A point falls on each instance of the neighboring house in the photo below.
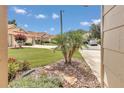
(12, 31)
(31, 36)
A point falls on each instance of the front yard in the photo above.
(38, 56)
(49, 70)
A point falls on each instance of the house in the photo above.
(113, 46)
(12, 31)
(32, 37)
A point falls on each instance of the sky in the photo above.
(44, 18)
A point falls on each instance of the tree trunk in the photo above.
(20, 46)
(70, 55)
(65, 57)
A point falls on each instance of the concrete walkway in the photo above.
(92, 57)
(42, 46)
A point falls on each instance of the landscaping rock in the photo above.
(76, 75)
(70, 80)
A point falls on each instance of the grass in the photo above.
(38, 56)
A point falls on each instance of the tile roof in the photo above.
(12, 29)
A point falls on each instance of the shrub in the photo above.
(42, 82)
(37, 41)
(15, 66)
(20, 39)
(23, 66)
(99, 41)
(53, 41)
(46, 41)
(11, 59)
(28, 44)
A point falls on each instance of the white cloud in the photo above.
(96, 21)
(85, 23)
(52, 28)
(26, 25)
(55, 16)
(93, 21)
(40, 16)
(20, 11)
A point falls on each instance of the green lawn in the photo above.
(38, 56)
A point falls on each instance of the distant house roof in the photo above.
(13, 29)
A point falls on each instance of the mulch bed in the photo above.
(76, 75)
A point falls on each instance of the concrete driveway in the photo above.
(93, 59)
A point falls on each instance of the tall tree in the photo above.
(95, 31)
(12, 22)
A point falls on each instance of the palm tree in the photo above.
(69, 43)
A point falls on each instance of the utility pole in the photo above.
(61, 22)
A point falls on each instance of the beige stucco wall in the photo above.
(113, 45)
(11, 41)
(29, 40)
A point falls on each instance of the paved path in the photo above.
(92, 57)
(42, 46)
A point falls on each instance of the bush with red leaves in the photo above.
(11, 59)
(20, 39)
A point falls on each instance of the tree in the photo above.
(69, 43)
(20, 39)
(95, 31)
(12, 22)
